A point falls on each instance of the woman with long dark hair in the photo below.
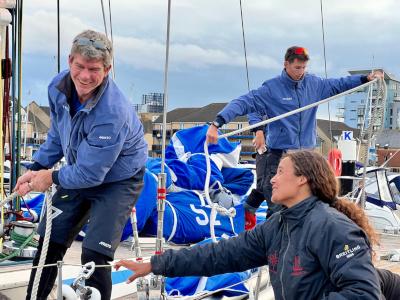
(319, 246)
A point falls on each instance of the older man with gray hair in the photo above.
(98, 132)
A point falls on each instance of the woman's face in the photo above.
(287, 188)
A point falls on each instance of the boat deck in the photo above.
(18, 275)
(389, 243)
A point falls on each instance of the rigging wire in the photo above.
(106, 33)
(104, 17)
(166, 66)
(19, 100)
(13, 173)
(244, 46)
(58, 36)
(112, 38)
(326, 73)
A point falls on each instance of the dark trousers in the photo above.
(390, 284)
(108, 206)
(266, 166)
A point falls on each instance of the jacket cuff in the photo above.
(220, 120)
(54, 177)
(155, 268)
(255, 129)
(36, 167)
(364, 79)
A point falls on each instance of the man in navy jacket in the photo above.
(293, 89)
(98, 132)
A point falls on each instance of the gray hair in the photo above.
(89, 50)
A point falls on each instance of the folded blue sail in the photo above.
(229, 284)
(154, 166)
(237, 180)
(32, 208)
(192, 141)
(187, 219)
(189, 175)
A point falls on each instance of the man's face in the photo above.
(296, 69)
(87, 75)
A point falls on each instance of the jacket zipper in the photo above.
(70, 136)
(284, 259)
(298, 101)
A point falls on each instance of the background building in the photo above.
(35, 123)
(353, 110)
(151, 103)
(182, 118)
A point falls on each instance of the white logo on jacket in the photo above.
(287, 98)
(104, 137)
(104, 244)
(348, 252)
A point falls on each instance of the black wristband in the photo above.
(54, 177)
(36, 167)
(364, 79)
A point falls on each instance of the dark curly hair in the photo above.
(324, 185)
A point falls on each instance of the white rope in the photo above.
(270, 120)
(380, 99)
(215, 207)
(46, 241)
(8, 199)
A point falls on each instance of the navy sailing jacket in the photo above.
(282, 94)
(102, 143)
(312, 250)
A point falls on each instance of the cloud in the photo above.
(150, 54)
(206, 36)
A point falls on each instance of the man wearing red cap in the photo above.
(293, 89)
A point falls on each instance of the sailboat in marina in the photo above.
(192, 193)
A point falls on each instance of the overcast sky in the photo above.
(206, 54)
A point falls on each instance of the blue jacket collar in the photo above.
(289, 81)
(299, 211)
(66, 85)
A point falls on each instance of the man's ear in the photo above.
(107, 69)
(70, 59)
(285, 64)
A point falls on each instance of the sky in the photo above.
(206, 61)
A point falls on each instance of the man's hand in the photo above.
(23, 180)
(212, 135)
(375, 74)
(34, 181)
(259, 140)
(41, 180)
(139, 269)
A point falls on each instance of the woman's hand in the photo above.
(139, 269)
